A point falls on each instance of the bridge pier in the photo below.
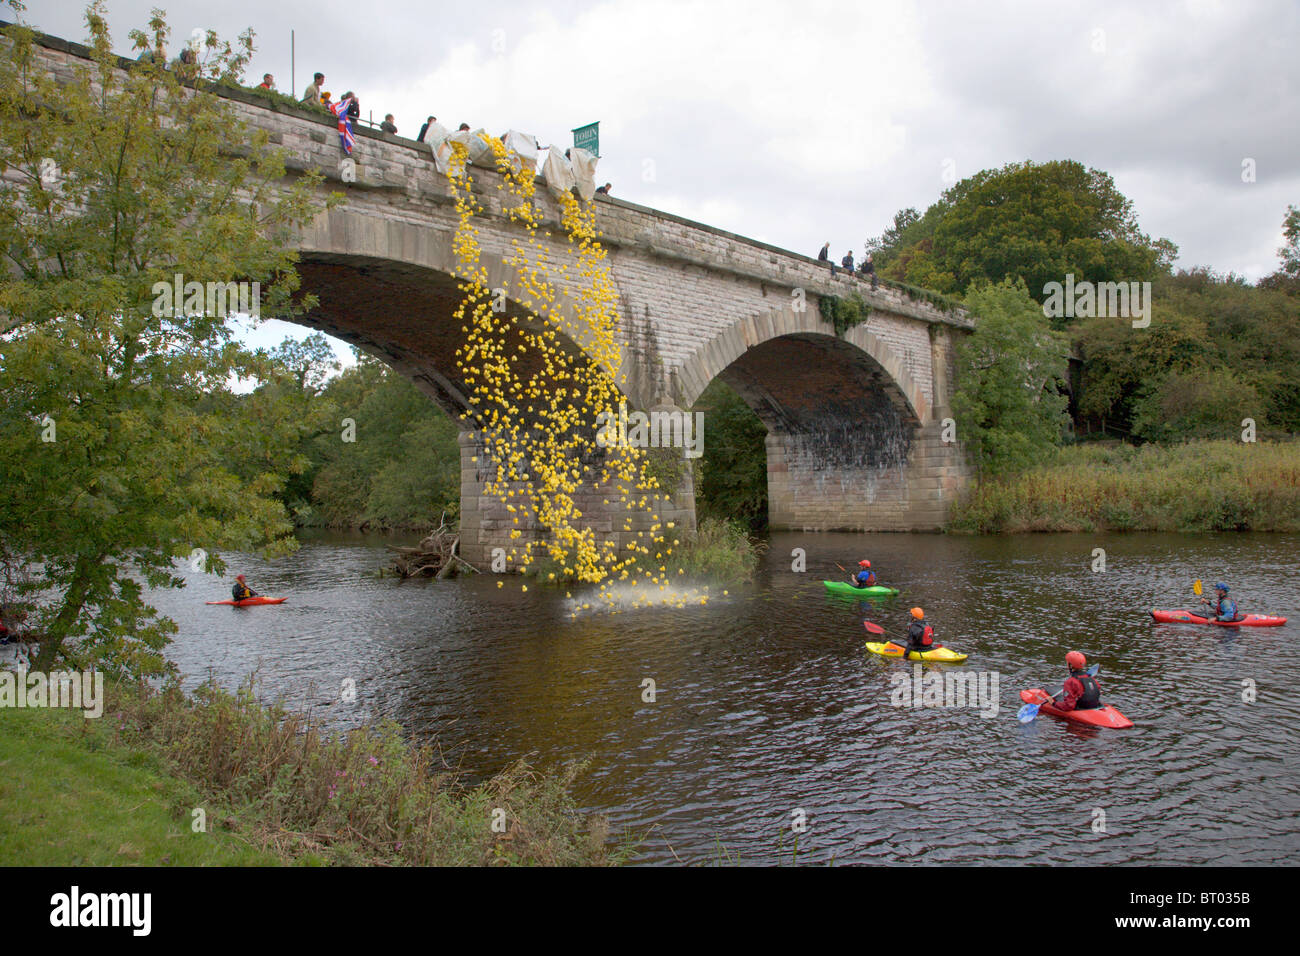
(486, 524)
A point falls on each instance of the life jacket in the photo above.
(241, 591)
(1226, 609)
(865, 578)
(920, 635)
(1091, 698)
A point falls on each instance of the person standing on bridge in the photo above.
(268, 82)
(388, 126)
(311, 95)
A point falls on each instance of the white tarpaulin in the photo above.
(442, 153)
(480, 153)
(557, 172)
(522, 149)
(584, 171)
(435, 137)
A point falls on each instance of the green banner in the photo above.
(588, 138)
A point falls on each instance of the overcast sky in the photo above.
(801, 122)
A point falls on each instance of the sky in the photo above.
(797, 123)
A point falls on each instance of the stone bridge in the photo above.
(854, 421)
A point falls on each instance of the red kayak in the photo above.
(1105, 716)
(1247, 620)
(250, 602)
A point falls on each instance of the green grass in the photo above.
(275, 787)
(1195, 487)
(67, 798)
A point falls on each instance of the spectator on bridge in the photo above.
(388, 126)
(825, 254)
(312, 95)
(463, 128)
(869, 268)
(326, 102)
(604, 190)
(268, 82)
(425, 128)
(847, 262)
(354, 108)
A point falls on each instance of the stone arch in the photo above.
(723, 350)
(390, 287)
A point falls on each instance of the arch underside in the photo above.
(836, 407)
(405, 315)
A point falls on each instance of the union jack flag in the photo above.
(340, 110)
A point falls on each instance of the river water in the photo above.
(769, 715)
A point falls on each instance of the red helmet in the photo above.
(239, 577)
(1075, 661)
(864, 564)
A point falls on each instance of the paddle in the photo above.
(873, 628)
(1028, 712)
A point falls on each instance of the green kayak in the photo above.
(843, 587)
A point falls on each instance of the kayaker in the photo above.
(241, 590)
(920, 635)
(866, 577)
(1225, 609)
(1082, 691)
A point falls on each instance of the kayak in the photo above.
(938, 654)
(1187, 617)
(1105, 716)
(843, 587)
(251, 602)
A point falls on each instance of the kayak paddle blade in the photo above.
(1196, 587)
(873, 628)
(1027, 713)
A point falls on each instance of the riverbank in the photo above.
(1196, 487)
(273, 790)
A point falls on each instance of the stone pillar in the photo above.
(486, 523)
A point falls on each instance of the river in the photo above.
(768, 713)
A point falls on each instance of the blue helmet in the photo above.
(1221, 587)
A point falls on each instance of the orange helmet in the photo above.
(864, 564)
(918, 613)
(1075, 661)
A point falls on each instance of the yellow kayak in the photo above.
(938, 654)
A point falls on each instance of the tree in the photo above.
(1287, 277)
(1010, 404)
(1121, 362)
(731, 478)
(1031, 221)
(123, 448)
(311, 361)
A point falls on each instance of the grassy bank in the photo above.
(274, 789)
(1199, 486)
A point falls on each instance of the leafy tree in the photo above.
(1030, 221)
(1287, 277)
(403, 468)
(1204, 403)
(311, 360)
(731, 477)
(1009, 402)
(1121, 362)
(123, 451)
